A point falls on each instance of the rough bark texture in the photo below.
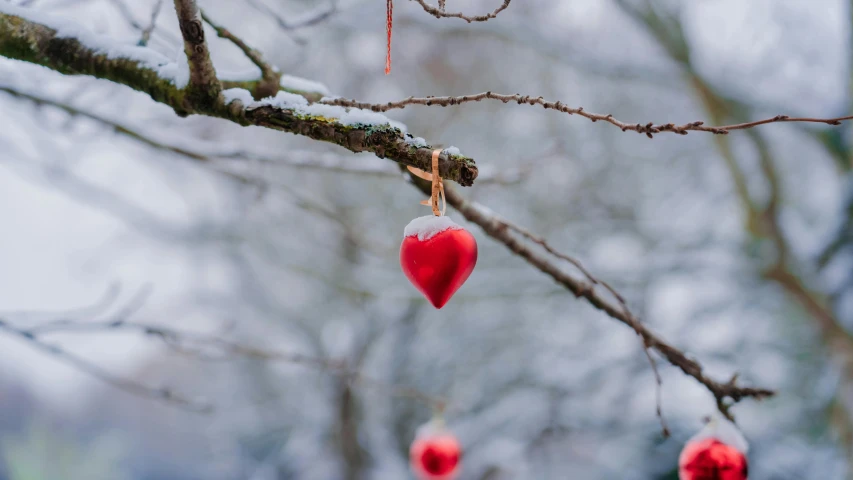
(204, 87)
(24, 40)
(21, 39)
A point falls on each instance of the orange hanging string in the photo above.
(389, 8)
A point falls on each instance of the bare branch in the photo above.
(123, 9)
(307, 20)
(440, 13)
(501, 230)
(118, 127)
(198, 345)
(146, 32)
(161, 394)
(204, 86)
(626, 312)
(649, 128)
(270, 76)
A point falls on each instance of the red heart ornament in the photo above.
(437, 256)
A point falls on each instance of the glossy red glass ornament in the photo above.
(437, 256)
(435, 455)
(717, 452)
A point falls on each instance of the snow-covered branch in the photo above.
(55, 43)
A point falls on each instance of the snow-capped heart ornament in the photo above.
(437, 256)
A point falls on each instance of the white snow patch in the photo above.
(182, 79)
(416, 141)
(285, 100)
(248, 75)
(344, 116)
(432, 428)
(723, 430)
(398, 125)
(100, 44)
(303, 85)
(178, 71)
(428, 226)
(241, 94)
(484, 210)
(452, 151)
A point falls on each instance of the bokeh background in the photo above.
(738, 248)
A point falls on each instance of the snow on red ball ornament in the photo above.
(435, 453)
(437, 256)
(717, 452)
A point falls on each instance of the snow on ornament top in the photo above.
(437, 256)
(717, 452)
(435, 453)
(428, 226)
(723, 430)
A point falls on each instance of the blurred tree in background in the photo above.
(258, 273)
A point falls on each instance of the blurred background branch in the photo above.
(735, 249)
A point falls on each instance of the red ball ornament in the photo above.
(437, 256)
(717, 452)
(435, 453)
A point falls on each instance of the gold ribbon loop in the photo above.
(437, 185)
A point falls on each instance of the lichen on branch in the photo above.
(54, 43)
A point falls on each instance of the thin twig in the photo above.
(440, 13)
(165, 395)
(189, 343)
(626, 312)
(649, 129)
(502, 231)
(145, 30)
(268, 72)
(127, 14)
(67, 322)
(152, 22)
(658, 392)
(306, 20)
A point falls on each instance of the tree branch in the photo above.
(141, 69)
(270, 76)
(152, 22)
(165, 395)
(202, 346)
(204, 87)
(440, 13)
(649, 128)
(307, 20)
(502, 231)
(146, 71)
